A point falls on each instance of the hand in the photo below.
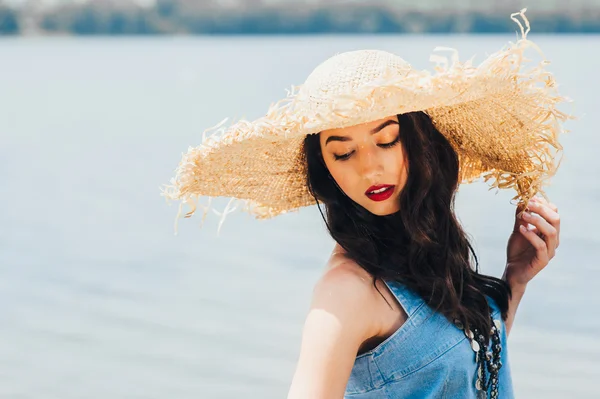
(530, 248)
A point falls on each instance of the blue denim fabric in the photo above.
(427, 357)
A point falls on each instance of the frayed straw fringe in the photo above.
(456, 98)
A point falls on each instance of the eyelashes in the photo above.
(391, 144)
(344, 157)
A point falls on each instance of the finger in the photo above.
(518, 214)
(545, 202)
(533, 229)
(549, 215)
(549, 232)
(540, 246)
(544, 229)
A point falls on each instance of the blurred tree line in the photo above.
(9, 21)
(125, 17)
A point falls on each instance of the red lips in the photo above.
(388, 190)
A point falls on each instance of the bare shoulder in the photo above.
(345, 312)
(347, 289)
(341, 269)
(338, 322)
(346, 282)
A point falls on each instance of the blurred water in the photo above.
(100, 298)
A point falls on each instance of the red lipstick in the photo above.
(384, 191)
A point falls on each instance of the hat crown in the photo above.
(345, 72)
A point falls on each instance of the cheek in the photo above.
(395, 161)
(344, 175)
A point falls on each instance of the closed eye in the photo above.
(346, 156)
(390, 144)
(343, 157)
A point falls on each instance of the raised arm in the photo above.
(513, 304)
(532, 244)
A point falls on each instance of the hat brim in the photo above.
(501, 118)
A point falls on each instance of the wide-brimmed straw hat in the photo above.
(500, 117)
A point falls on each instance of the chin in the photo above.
(383, 212)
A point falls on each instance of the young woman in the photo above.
(401, 310)
(381, 320)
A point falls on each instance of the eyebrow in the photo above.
(373, 131)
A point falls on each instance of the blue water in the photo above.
(101, 300)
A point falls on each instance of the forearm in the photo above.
(513, 304)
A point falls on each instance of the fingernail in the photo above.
(526, 215)
(523, 229)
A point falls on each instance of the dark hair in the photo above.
(423, 246)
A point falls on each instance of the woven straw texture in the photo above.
(500, 117)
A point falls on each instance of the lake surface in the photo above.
(101, 300)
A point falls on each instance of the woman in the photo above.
(401, 310)
(389, 187)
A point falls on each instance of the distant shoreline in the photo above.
(173, 18)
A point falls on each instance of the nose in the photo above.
(370, 165)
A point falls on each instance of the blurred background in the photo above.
(98, 100)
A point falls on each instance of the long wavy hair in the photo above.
(422, 246)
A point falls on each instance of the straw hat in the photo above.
(500, 118)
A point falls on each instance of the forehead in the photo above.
(363, 127)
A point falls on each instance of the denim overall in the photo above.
(427, 357)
